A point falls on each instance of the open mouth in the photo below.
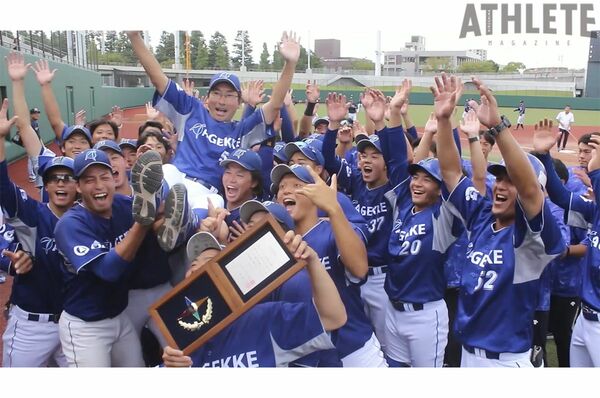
(61, 194)
(221, 112)
(100, 197)
(289, 204)
(500, 198)
(367, 170)
(231, 191)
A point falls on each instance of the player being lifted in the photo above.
(511, 238)
(206, 133)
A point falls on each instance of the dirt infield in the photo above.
(135, 116)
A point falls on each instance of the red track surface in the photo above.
(135, 116)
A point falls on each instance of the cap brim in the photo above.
(360, 137)
(364, 144)
(249, 208)
(320, 120)
(224, 81)
(413, 168)
(87, 166)
(200, 242)
(496, 169)
(225, 162)
(278, 172)
(291, 149)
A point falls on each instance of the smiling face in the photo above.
(373, 168)
(297, 206)
(222, 102)
(74, 145)
(61, 187)
(238, 185)
(130, 156)
(103, 132)
(504, 195)
(424, 190)
(119, 165)
(97, 188)
(299, 158)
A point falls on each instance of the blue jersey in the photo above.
(271, 334)
(566, 273)
(500, 279)
(7, 242)
(357, 330)
(418, 247)
(583, 213)
(354, 217)
(203, 141)
(83, 237)
(39, 290)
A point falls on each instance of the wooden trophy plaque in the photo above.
(244, 273)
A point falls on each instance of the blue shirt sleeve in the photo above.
(456, 136)
(287, 127)
(396, 159)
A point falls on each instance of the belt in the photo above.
(206, 185)
(589, 313)
(383, 269)
(43, 317)
(406, 307)
(480, 352)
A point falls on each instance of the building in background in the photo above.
(592, 81)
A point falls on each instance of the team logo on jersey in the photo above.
(91, 155)
(97, 245)
(193, 310)
(198, 129)
(471, 193)
(23, 194)
(48, 244)
(81, 250)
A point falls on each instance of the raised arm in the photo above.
(289, 48)
(289, 117)
(17, 70)
(423, 149)
(158, 78)
(44, 77)
(312, 97)
(517, 165)
(444, 96)
(470, 127)
(397, 104)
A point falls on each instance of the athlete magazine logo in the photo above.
(505, 24)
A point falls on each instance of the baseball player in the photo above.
(129, 149)
(270, 334)
(118, 163)
(565, 120)
(31, 336)
(578, 174)
(521, 118)
(511, 239)
(100, 241)
(582, 213)
(341, 250)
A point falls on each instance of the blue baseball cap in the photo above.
(108, 144)
(279, 151)
(319, 120)
(315, 143)
(278, 211)
(225, 77)
(430, 165)
(59, 161)
(372, 141)
(88, 158)
(316, 136)
(307, 150)
(538, 168)
(77, 129)
(130, 142)
(246, 158)
(301, 172)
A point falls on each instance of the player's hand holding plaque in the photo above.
(239, 277)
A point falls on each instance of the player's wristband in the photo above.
(310, 108)
(473, 139)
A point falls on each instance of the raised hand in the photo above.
(289, 47)
(444, 95)
(287, 101)
(116, 116)
(214, 223)
(337, 107)
(151, 112)
(375, 105)
(358, 128)
(253, 92)
(312, 92)
(431, 124)
(401, 96)
(583, 176)
(21, 261)
(404, 109)
(17, 68)
(80, 117)
(470, 124)
(188, 87)
(487, 111)
(543, 137)
(298, 247)
(5, 124)
(42, 72)
(237, 229)
(322, 195)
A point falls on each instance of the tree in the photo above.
(165, 51)
(198, 50)
(218, 53)
(124, 47)
(278, 60)
(438, 63)
(513, 67)
(362, 64)
(110, 41)
(237, 50)
(478, 67)
(264, 58)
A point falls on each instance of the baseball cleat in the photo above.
(177, 213)
(146, 182)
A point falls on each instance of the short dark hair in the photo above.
(561, 170)
(484, 134)
(94, 124)
(149, 123)
(585, 139)
(257, 177)
(159, 136)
